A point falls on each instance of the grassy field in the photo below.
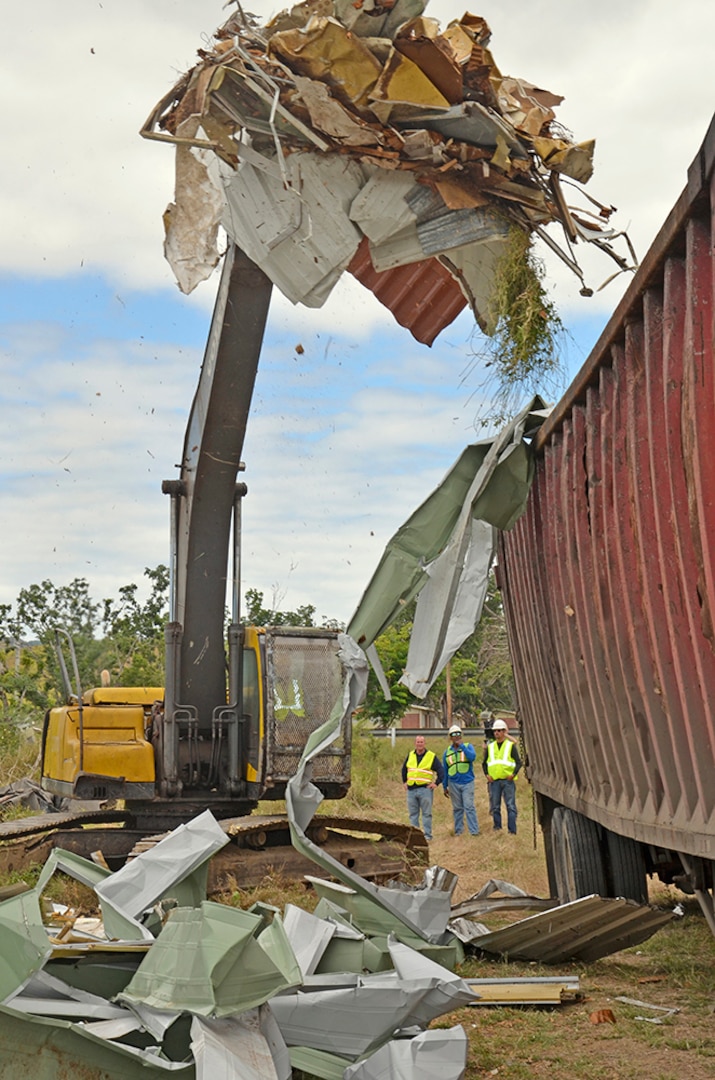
(674, 969)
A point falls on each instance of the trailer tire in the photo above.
(626, 865)
(578, 859)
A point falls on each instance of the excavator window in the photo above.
(251, 694)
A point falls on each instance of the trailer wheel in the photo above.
(626, 868)
(578, 862)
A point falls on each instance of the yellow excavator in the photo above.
(228, 728)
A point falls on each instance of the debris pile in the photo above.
(168, 981)
(176, 983)
(365, 137)
(171, 982)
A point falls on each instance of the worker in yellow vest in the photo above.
(500, 764)
(421, 772)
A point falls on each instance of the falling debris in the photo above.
(443, 552)
(368, 138)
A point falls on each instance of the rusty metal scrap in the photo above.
(387, 89)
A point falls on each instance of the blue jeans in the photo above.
(505, 789)
(462, 796)
(419, 800)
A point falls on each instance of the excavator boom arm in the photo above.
(209, 466)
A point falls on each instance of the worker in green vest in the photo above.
(421, 772)
(500, 764)
(458, 780)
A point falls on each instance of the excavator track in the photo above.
(259, 847)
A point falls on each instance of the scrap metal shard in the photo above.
(420, 41)
(585, 929)
(325, 50)
(373, 91)
(192, 998)
(424, 297)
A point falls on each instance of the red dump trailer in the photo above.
(608, 582)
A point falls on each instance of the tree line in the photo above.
(125, 636)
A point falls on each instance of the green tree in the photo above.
(133, 646)
(25, 686)
(123, 634)
(392, 647)
(480, 671)
(257, 614)
(40, 609)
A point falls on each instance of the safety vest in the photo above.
(287, 699)
(419, 774)
(500, 764)
(456, 761)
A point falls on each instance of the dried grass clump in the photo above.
(524, 345)
(527, 352)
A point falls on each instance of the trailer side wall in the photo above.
(608, 579)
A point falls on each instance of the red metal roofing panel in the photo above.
(609, 577)
(423, 296)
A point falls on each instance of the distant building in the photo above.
(421, 716)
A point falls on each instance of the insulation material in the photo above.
(191, 223)
(329, 116)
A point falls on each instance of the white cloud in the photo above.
(331, 472)
(346, 439)
(81, 187)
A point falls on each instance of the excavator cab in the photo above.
(110, 742)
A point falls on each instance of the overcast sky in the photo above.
(101, 353)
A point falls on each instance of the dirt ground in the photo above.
(563, 1043)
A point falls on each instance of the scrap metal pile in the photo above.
(361, 136)
(164, 980)
(168, 981)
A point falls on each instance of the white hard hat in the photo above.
(499, 725)
(455, 730)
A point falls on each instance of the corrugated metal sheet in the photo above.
(423, 296)
(608, 579)
(585, 930)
